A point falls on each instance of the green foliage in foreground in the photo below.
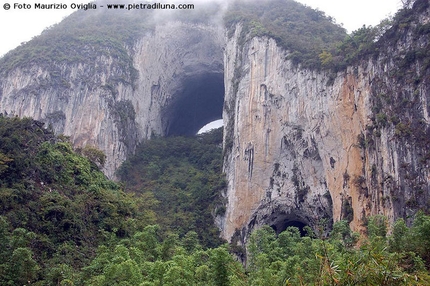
(56, 207)
(145, 259)
(288, 259)
(63, 223)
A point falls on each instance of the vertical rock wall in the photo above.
(99, 103)
(307, 146)
(79, 100)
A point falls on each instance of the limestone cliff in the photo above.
(306, 146)
(96, 101)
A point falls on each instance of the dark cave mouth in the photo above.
(284, 224)
(199, 102)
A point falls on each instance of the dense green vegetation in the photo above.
(63, 223)
(289, 259)
(186, 172)
(302, 30)
(56, 206)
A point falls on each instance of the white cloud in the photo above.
(354, 14)
(20, 25)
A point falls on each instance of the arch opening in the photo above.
(280, 221)
(199, 102)
(283, 225)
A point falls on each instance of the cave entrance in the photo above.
(283, 225)
(280, 221)
(199, 102)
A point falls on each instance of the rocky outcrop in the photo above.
(285, 156)
(312, 147)
(99, 103)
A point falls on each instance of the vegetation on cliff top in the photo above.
(315, 41)
(300, 29)
(79, 38)
(369, 41)
(87, 35)
(313, 38)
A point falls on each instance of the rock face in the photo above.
(98, 103)
(309, 147)
(285, 127)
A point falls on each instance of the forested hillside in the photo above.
(56, 206)
(315, 40)
(182, 179)
(305, 32)
(63, 223)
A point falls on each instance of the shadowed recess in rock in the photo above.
(282, 225)
(199, 102)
